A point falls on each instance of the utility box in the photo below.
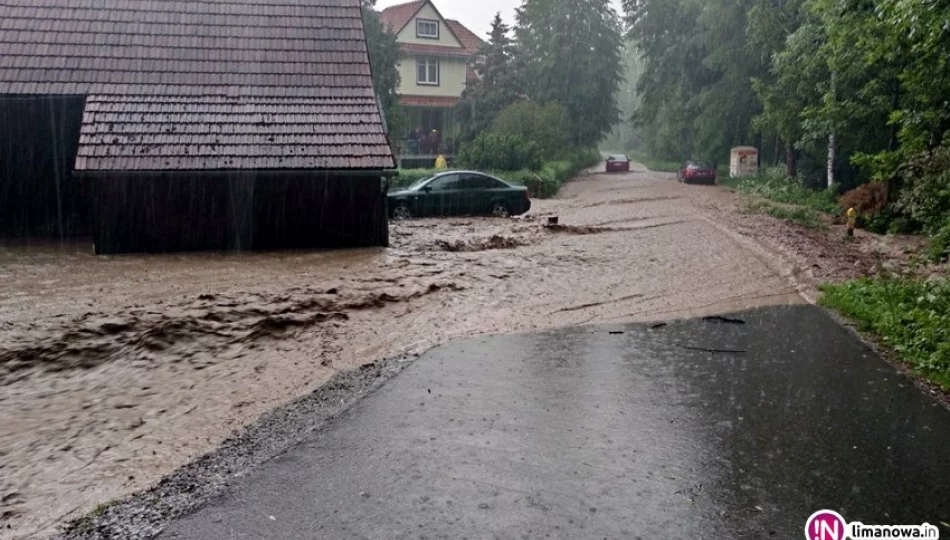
(743, 161)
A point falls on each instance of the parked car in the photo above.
(697, 172)
(618, 164)
(459, 193)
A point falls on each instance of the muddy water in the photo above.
(117, 370)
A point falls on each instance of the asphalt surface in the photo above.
(695, 429)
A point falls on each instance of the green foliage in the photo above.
(939, 249)
(501, 152)
(497, 88)
(547, 126)
(548, 181)
(384, 56)
(568, 52)
(772, 184)
(926, 195)
(911, 317)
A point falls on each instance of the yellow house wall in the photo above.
(451, 80)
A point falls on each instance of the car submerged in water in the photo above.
(459, 193)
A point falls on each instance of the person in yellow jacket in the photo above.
(440, 163)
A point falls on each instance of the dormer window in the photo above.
(427, 28)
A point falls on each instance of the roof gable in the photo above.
(398, 17)
(469, 40)
(289, 60)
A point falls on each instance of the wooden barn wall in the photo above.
(167, 213)
(39, 197)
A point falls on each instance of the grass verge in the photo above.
(772, 184)
(796, 214)
(909, 316)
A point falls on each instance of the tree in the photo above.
(547, 126)
(496, 87)
(568, 52)
(384, 56)
(664, 33)
(795, 75)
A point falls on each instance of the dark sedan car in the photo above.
(697, 172)
(618, 164)
(459, 193)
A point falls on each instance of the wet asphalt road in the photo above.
(696, 429)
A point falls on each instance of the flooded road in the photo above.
(117, 370)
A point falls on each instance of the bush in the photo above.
(869, 200)
(546, 126)
(912, 317)
(925, 197)
(547, 182)
(939, 249)
(500, 152)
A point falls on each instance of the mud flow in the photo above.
(117, 370)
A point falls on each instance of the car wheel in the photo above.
(402, 212)
(500, 209)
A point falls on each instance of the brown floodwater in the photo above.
(114, 371)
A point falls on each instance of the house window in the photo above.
(427, 70)
(427, 28)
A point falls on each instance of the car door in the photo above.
(442, 196)
(473, 199)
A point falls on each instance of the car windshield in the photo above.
(419, 183)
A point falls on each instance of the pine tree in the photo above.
(384, 56)
(495, 88)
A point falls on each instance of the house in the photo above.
(207, 124)
(435, 70)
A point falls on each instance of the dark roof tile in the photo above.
(162, 76)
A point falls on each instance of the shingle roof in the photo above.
(173, 70)
(397, 16)
(471, 42)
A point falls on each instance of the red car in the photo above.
(618, 164)
(697, 172)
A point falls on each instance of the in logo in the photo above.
(826, 525)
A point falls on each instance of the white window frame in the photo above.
(423, 22)
(429, 61)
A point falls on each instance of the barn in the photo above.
(171, 125)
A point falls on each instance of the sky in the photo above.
(476, 14)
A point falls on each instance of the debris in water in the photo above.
(723, 320)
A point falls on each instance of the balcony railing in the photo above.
(420, 155)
